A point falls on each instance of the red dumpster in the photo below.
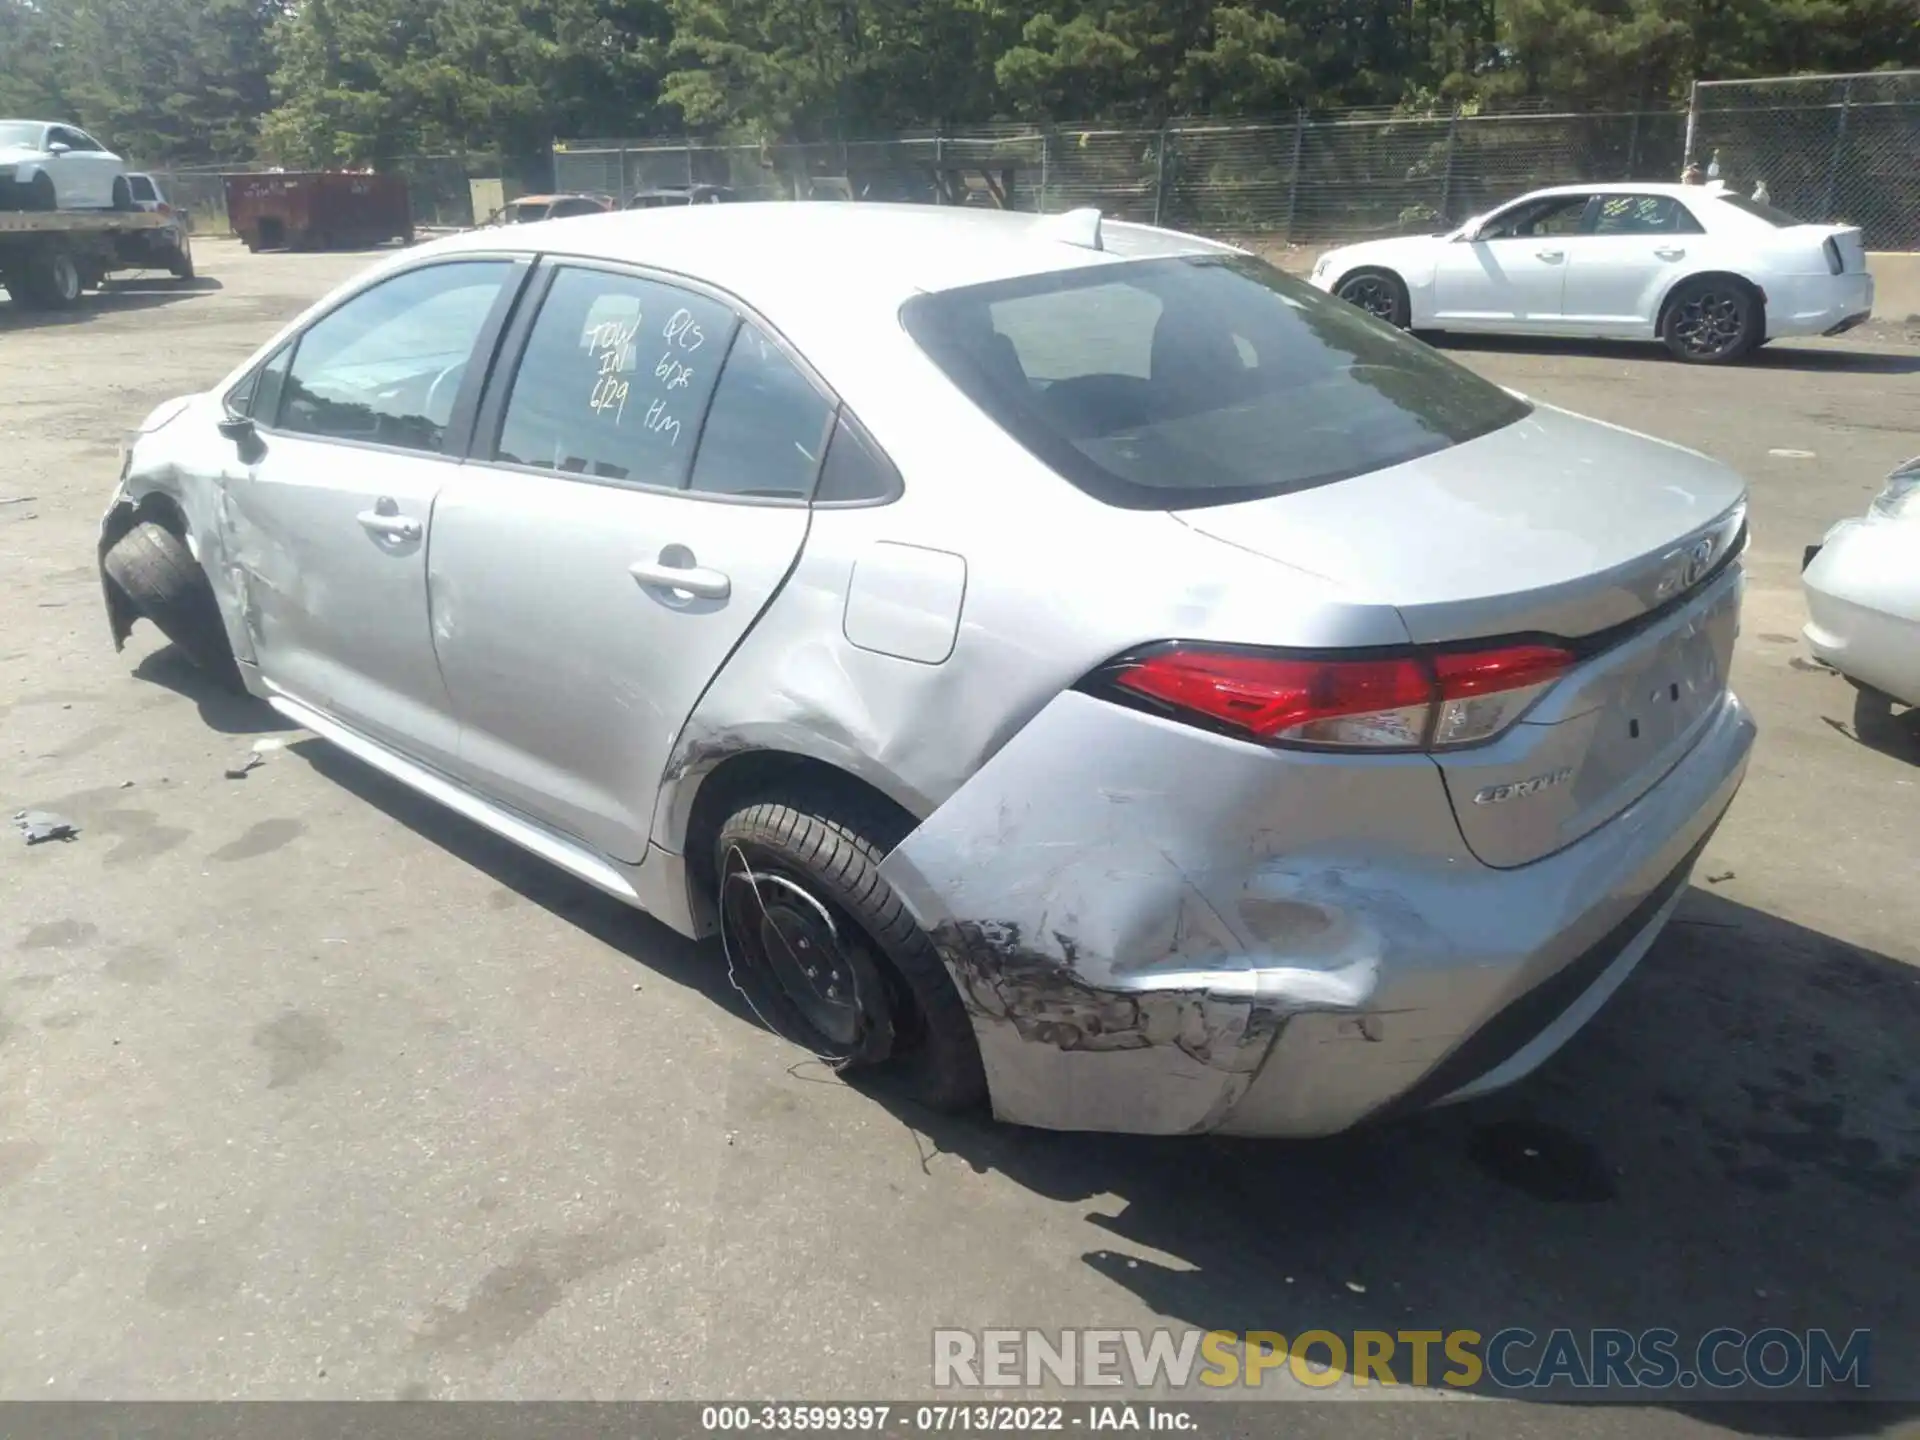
(318, 210)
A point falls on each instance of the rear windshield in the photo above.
(1170, 384)
(529, 211)
(141, 187)
(1761, 210)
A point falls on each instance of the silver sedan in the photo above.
(1071, 665)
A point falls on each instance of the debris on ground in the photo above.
(1718, 876)
(252, 760)
(39, 826)
(18, 499)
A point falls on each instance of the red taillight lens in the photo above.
(163, 208)
(1404, 703)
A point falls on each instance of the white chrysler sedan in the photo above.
(1711, 273)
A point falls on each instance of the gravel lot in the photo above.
(308, 1089)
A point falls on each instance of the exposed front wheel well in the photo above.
(1379, 291)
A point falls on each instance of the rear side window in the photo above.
(1174, 383)
(1643, 215)
(767, 427)
(856, 472)
(615, 378)
(141, 187)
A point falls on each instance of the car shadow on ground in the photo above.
(1882, 724)
(221, 709)
(1782, 355)
(1734, 1141)
(633, 933)
(118, 296)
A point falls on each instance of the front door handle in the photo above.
(689, 579)
(386, 521)
(1551, 255)
(1671, 252)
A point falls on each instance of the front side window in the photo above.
(767, 427)
(387, 366)
(1171, 383)
(615, 378)
(1643, 215)
(1559, 215)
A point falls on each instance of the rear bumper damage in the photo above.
(1278, 945)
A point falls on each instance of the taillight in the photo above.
(1835, 264)
(1423, 701)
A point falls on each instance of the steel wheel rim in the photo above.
(818, 987)
(1710, 323)
(1371, 294)
(66, 277)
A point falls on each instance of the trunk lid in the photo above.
(1555, 526)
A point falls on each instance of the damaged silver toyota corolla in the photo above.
(1070, 664)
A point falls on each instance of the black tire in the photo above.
(1712, 321)
(155, 570)
(48, 279)
(831, 844)
(181, 266)
(1381, 293)
(40, 193)
(122, 194)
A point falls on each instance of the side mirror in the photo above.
(245, 436)
(59, 147)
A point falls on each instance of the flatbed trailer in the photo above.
(50, 258)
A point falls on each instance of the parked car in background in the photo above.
(668, 195)
(1070, 663)
(1862, 585)
(170, 248)
(45, 165)
(529, 209)
(1712, 274)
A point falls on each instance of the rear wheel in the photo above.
(122, 193)
(826, 953)
(1381, 293)
(1711, 321)
(157, 572)
(181, 266)
(41, 194)
(48, 279)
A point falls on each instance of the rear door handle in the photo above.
(1551, 254)
(1670, 252)
(690, 579)
(385, 521)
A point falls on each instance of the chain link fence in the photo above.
(1302, 179)
(1827, 147)
(439, 187)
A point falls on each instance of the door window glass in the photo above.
(387, 366)
(1560, 215)
(1643, 215)
(767, 426)
(615, 379)
(264, 404)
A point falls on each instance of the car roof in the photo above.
(1630, 187)
(772, 253)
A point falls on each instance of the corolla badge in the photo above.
(1689, 567)
(1521, 789)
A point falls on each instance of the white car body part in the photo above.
(81, 170)
(1862, 584)
(1602, 261)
